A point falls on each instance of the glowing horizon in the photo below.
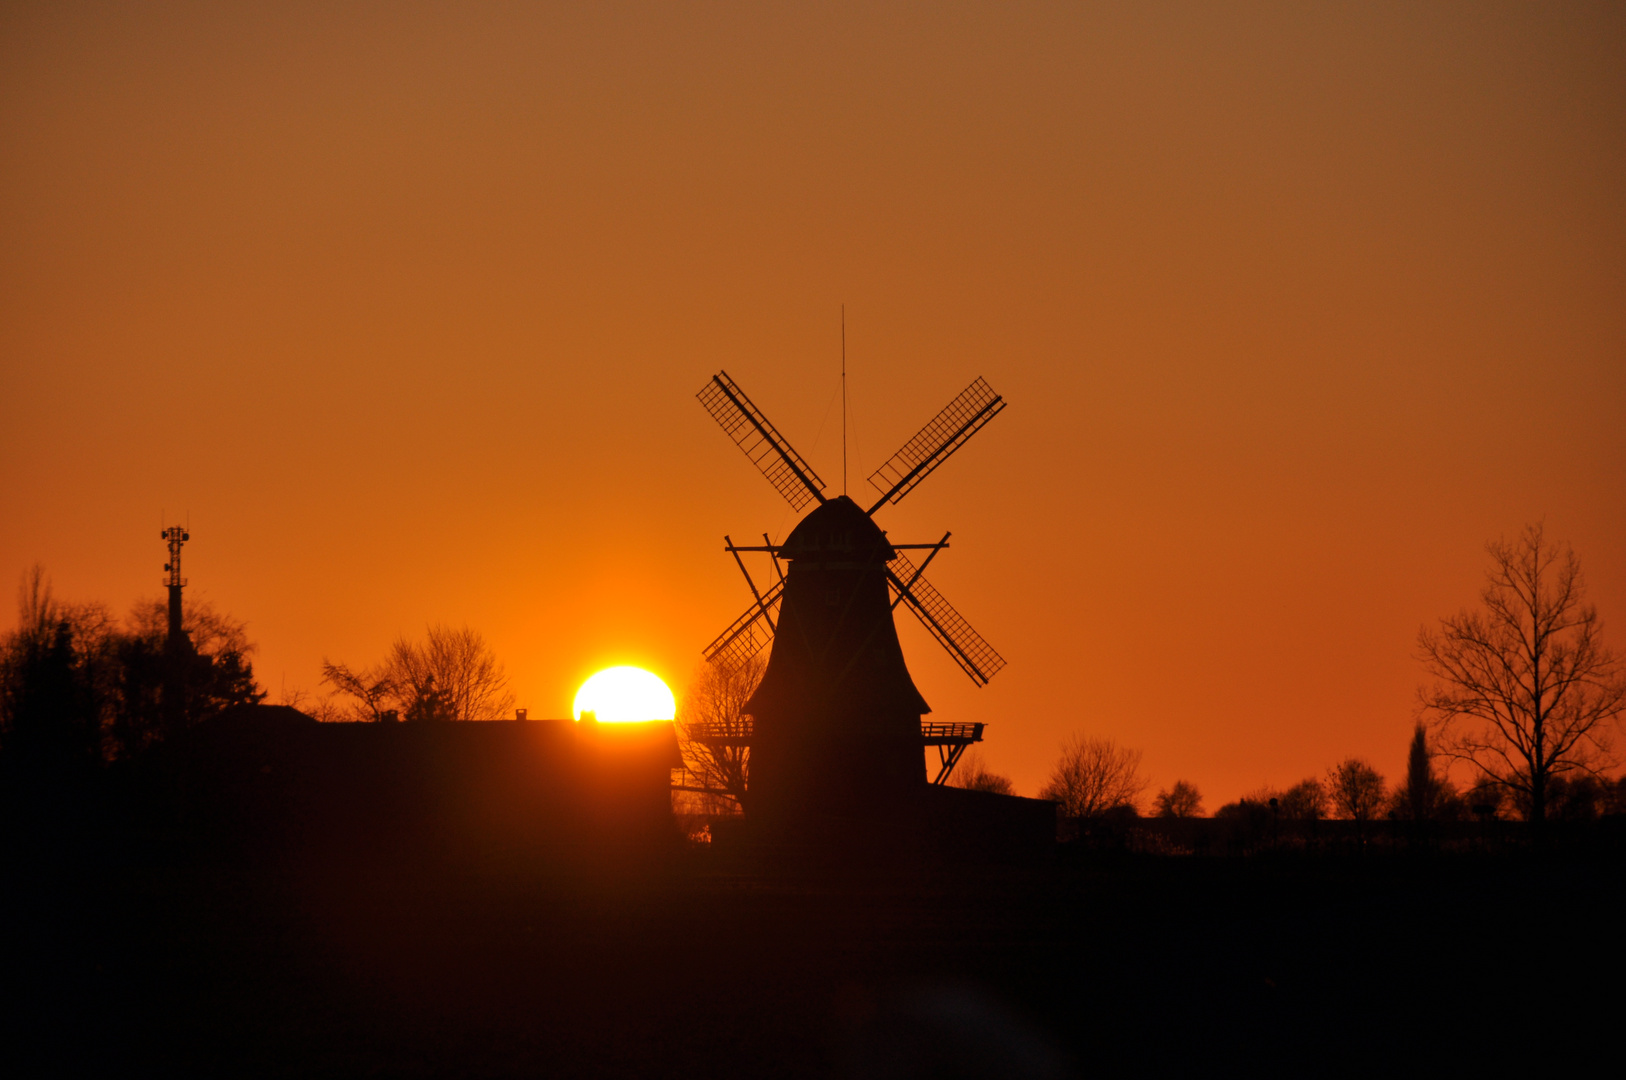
(1294, 313)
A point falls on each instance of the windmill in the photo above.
(836, 718)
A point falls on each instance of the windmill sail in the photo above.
(965, 645)
(747, 635)
(744, 423)
(933, 444)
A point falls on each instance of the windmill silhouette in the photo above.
(835, 723)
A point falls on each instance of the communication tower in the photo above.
(175, 536)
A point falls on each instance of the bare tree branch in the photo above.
(711, 725)
(1094, 776)
(1524, 691)
(371, 688)
(1183, 800)
(973, 774)
(1357, 792)
(452, 675)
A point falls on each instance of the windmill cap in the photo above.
(838, 528)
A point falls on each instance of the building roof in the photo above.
(839, 530)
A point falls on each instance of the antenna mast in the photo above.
(844, 399)
(175, 536)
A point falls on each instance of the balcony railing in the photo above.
(949, 739)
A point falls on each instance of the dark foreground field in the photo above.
(130, 956)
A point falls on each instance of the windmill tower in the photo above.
(835, 723)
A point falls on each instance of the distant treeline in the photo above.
(1097, 778)
(452, 674)
(80, 687)
(1523, 695)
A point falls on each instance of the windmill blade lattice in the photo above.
(968, 648)
(933, 444)
(744, 423)
(747, 635)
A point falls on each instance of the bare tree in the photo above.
(1306, 800)
(1094, 776)
(212, 633)
(1357, 792)
(711, 728)
(1525, 690)
(324, 710)
(1183, 800)
(1486, 799)
(50, 711)
(371, 688)
(70, 673)
(973, 774)
(452, 675)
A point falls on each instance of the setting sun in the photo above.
(625, 694)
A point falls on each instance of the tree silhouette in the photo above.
(973, 774)
(1525, 690)
(211, 633)
(168, 686)
(451, 675)
(710, 726)
(371, 688)
(1094, 776)
(74, 685)
(47, 712)
(1306, 800)
(1486, 799)
(1577, 797)
(1424, 795)
(1420, 790)
(1357, 792)
(55, 685)
(1183, 800)
(430, 703)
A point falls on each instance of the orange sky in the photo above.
(1295, 308)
